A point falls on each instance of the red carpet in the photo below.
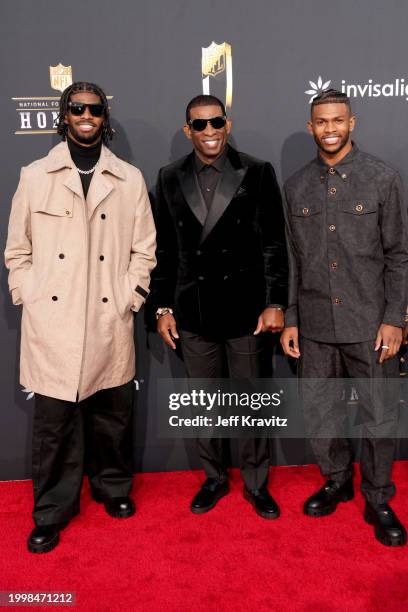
(166, 558)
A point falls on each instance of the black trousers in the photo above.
(334, 454)
(204, 358)
(72, 438)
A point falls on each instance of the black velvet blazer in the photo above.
(219, 269)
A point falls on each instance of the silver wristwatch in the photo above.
(160, 312)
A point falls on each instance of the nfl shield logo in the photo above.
(60, 77)
(213, 59)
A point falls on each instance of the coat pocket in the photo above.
(125, 298)
(306, 224)
(358, 222)
(53, 207)
(359, 206)
(28, 292)
(304, 211)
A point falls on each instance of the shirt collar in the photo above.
(218, 164)
(347, 159)
(59, 157)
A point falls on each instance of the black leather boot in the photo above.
(43, 539)
(387, 528)
(326, 499)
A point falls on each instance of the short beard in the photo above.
(341, 146)
(85, 140)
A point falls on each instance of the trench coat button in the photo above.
(334, 265)
(54, 298)
(104, 299)
(332, 228)
(103, 216)
(198, 252)
(67, 212)
(305, 211)
(101, 257)
(332, 191)
(359, 206)
(336, 300)
(332, 171)
(344, 176)
(61, 255)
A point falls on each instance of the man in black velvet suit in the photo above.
(221, 277)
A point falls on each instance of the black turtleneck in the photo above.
(84, 158)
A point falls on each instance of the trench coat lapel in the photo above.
(101, 184)
(99, 189)
(73, 182)
(58, 159)
(229, 183)
(191, 190)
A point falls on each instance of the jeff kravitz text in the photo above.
(235, 420)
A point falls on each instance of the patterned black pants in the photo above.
(325, 417)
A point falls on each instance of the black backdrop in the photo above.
(148, 56)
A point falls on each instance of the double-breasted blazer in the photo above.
(219, 269)
(79, 268)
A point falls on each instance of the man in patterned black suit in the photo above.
(348, 264)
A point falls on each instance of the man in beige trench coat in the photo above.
(80, 250)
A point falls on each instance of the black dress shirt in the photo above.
(348, 249)
(209, 176)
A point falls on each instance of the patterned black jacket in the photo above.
(348, 249)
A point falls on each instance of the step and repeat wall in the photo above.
(265, 58)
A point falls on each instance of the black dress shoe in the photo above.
(45, 538)
(209, 494)
(120, 507)
(326, 499)
(263, 503)
(387, 528)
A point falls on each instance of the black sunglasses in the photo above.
(199, 125)
(78, 109)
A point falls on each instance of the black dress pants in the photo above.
(204, 358)
(93, 436)
(334, 454)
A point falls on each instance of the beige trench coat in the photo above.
(79, 269)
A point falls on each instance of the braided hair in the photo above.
(62, 128)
